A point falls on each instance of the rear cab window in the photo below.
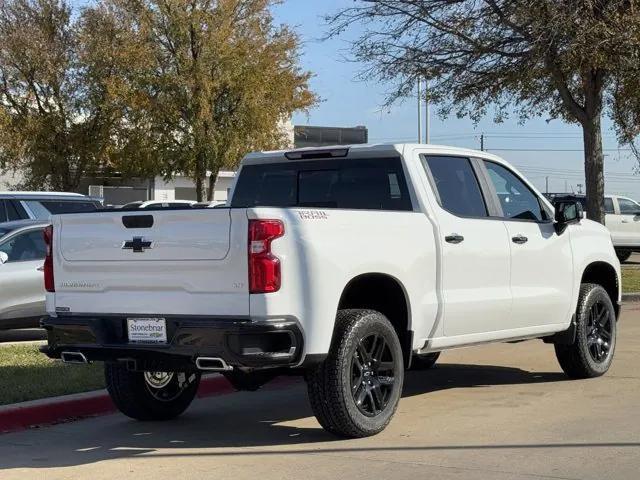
(361, 184)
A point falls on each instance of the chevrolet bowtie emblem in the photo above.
(138, 244)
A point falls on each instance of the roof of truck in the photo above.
(370, 150)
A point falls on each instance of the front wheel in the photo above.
(356, 390)
(591, 353)
(150, 395)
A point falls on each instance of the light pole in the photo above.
(419, 110)
(427, 120)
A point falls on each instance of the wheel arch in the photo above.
(605, 275)
(386, 294)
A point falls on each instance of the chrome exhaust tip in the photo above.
(213, 364)
(73, 357)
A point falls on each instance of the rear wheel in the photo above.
(591, 353)
(623, 255)
(356, 390)
(150, 395)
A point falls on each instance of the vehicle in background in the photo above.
(157, 204)
(622, 218)
(345, 265)
(22, 252)
(41, 205)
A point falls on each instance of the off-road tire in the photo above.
(424, 362)
(330, 382)
(131, 394)
(623, 255)
(576, 359)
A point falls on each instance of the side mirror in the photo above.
(567, 212)
(3, 258)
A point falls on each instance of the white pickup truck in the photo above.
(347, 265)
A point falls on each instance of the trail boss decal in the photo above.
(313, 214)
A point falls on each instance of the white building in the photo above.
(182, 188)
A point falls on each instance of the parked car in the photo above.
(622, 218)
(41, 205)
(22, 252)
(345, 265)
(157, 204)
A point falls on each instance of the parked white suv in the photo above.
(347, 265)
(16, 206)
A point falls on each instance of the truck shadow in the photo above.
(224, 425)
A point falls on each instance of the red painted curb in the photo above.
(73, 407)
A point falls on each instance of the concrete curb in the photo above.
(631, 297)
(48, 411)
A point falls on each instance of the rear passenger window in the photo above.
(372, 184)
(457, 186)
(3, 211)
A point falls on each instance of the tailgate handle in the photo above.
(137, 221)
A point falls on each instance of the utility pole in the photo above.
(546, 180)
(427, 120)
(482, 142)
(419, 110)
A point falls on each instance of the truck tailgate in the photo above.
(152, 262)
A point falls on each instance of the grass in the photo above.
(27, 374)
(631, 280)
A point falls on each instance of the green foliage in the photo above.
(142, 87)
(54, 125)
(203, 82)
(570, 59)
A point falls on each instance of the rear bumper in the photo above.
(240, 342)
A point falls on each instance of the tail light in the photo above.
(49, 285)
(264, 267)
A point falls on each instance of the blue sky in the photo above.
(347, 102)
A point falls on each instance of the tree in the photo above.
(212, 80)
(55, 125)
(576, 60)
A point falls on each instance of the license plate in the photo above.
(147, 330)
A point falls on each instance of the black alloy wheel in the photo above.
(372, 374)
(599, 332)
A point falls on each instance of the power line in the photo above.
(555, 149)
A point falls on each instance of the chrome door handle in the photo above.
(453, 238)
(624, 221)
(40, 268)
(519, 239)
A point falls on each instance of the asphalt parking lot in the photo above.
(500, 412)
